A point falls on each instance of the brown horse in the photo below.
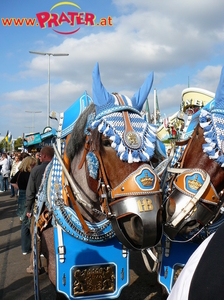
(194, 282)
(106, 175)
(196, 194)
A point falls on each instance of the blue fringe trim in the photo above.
(135, 154)
(143, 157)
(211, 153)
(117, 140)
(125, 156)
(220, 160)
(207, 128)
(109, 132)
(103, 128)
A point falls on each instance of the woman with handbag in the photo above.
(21, 179)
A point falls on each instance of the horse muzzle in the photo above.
(180, 219)
(136, 209)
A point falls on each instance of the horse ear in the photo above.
(100, 95)
(140, 96)
(219, 95)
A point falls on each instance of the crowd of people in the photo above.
(22, 173)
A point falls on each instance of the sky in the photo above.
(182, 42)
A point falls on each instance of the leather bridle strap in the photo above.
(186, 149)
(86, 150)
(127, 122)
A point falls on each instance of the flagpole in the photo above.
(155, 106)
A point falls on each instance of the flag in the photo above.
(13, 145)
(9, 138)
(6, 137)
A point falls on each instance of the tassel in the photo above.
(136, 159)
(109, 132)
(208, 134)
(211, 153)
(203, 119)
(146, 154)
(117, 139)
(220, 160)
(102, 127)
(130, 158)
(215, 156)
(121, 148)
(113, 145)
(208, 140)
(135, 154)
(142, 156)
(207, 128)
(95, 124)
(149, 151)
(125, 156)
(207, 149)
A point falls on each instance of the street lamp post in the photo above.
(49, 54)
(33, 112)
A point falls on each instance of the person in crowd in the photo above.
(46, 155)
(37, 156)
(21, 178)
(23, 155)
(5, 172)
(10, 160)
(14, 170)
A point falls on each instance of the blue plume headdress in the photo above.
(212, 121)
(119, 118)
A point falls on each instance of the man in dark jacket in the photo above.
(46, 155)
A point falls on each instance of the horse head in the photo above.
(197, 192)
(110, 150)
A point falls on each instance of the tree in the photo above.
(18, 143)
(2, 145)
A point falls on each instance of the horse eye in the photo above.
(106, 142)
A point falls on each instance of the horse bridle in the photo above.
(127, 196)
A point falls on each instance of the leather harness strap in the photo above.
(67, 192)
(64, 180)
(75, 206)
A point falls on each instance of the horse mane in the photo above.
(78, 136)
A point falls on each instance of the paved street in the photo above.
(15, 283)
